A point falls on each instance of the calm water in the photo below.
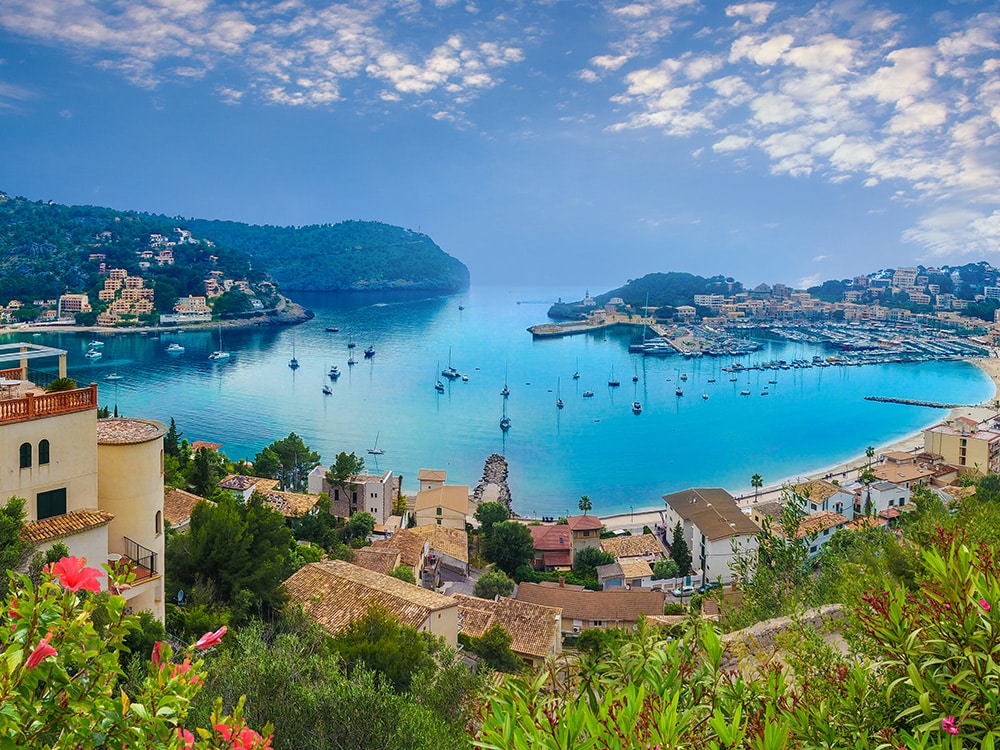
(813, 418)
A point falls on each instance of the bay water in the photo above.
(812, 418)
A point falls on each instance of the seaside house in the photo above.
(372, 493)
(816, 527)
(627, 574)
(878, 497)
(819, 494)
(904, 469)
(553, 547)
(586, 531)
(414, 550)
(431, 479)
(713, 524)
(335, 593)
(378, 559)
(450, 546)
(447, 505)
(243, 486)
(94, 485)
(535, 630)
(582, 610)
(963, 443)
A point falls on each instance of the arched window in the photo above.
(25, 455)
(159, 521)
(43, 452)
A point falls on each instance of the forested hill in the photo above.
(664, 291)
(47, 249)
(348, 255)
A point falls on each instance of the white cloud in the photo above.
(757, 13)
(732, 143)
(820, 258)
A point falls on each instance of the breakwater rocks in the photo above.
(912, 402)
(493, 486)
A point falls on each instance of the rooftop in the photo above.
(606, 606)
(633, 546)
(452, 496)
(584, 523)
(713, 511)
(445, 540)
(178, 505)
(817, 490)
(128, 431)
(68, 524)
(432, 475)
(814, 523)
(381, 560)
(336, 593)
(290, 504)
(409, 545)
(534, 628)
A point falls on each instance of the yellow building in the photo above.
(964, 444)
(445, 506)
(94, 485)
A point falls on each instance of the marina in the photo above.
(594, 445)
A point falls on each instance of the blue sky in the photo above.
(582, 143)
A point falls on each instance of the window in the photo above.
(439, 513)
(51, 503)
(158, 522)
(43, 452)
(25, 455)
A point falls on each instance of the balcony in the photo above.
(32, 406)
(137, 560)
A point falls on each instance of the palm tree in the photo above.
(585, 504)
(756, 481)
(870, 452)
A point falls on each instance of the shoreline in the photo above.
(289, 314)
(635, 520)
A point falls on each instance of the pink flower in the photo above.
(186, 737)
(225, 730)
(949, 725)
(157, 658)
(247, 739)
(984, 604)
(210, 639)
(42, 651)
(72, 574)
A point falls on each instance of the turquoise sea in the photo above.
(813, 418)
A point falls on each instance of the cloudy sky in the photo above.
(541, 141)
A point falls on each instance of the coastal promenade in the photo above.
(848, 470)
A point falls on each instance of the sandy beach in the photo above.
(848, 470)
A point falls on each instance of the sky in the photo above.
(540, 142)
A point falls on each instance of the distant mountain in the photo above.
(350, 255)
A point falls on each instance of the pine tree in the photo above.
(679, 551)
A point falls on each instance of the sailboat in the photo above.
(375, 450)
(506, 391)
(370, 352)
(505, 420)
(450, 372)
(576, 372)
(293, 362)
(327, 390)
(438, 385)
(334, 372)
(221, 352)
(114, 375)
(613, 382)
(559, 401)
(636, 407)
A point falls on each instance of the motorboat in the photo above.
(369, 352)
(175, 348)
(636, 407)
(95, 344)
(334, 372)
(327, 390)
(588, 394)
(93, 354)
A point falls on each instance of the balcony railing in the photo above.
(137, 559)
(31, 406)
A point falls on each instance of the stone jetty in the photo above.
(493, 486)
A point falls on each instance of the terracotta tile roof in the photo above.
(817, 490)
(432, 475)
(453, 496)
(126, 431)
(178, 505)
(635, 568)
(68, 524)
(238, 482)
(379, 560)
(866, 522)
(813, 523)
(197, 445)
(584, 523)
(557, 559)
(447, 541)
(409, 545)
(633, 546)
(558, 538)
(534, 629)
(713, 511)
(290, 504)
(903, 472)
(608, 606)
(335, 593)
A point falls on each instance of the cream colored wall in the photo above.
(91, 544)
(72, 460)
(147, 595)
(450, 518)
(130, 485)
(444, 623)
(719, 556)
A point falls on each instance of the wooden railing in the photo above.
(12, 374)
(31, 406)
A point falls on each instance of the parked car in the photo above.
(706, 587)
(683, 591)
